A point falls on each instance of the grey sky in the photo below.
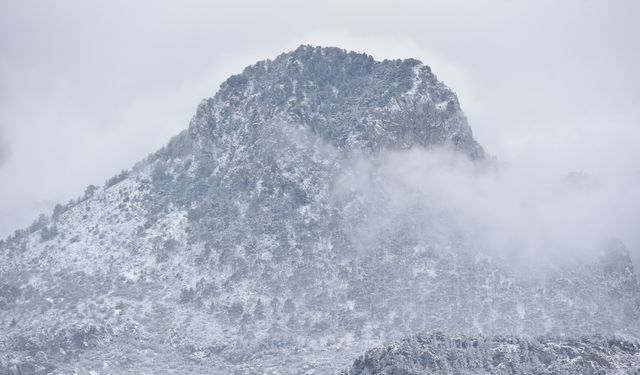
(90, 87)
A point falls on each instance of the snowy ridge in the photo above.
(442, 354)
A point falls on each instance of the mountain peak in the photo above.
(348, 99)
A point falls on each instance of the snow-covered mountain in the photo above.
(251, 243)
(441, 354)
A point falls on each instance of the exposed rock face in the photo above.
(243, 246)
(441, 354)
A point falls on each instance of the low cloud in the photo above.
(441, 198)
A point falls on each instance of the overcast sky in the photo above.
(90, 87)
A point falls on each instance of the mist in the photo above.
(533, 217)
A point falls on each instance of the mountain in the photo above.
(266, 239)
(441, 354)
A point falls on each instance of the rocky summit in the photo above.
(260, 240)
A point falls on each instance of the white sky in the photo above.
(89, 87)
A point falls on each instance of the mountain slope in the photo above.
(260, 240)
